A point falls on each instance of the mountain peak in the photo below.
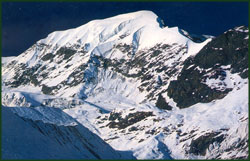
(138, 14)
(134, 28)
(119, 25)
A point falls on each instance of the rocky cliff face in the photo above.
(128, 79)
(212, 73)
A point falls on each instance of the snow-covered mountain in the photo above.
(143, 87)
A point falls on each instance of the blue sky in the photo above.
(24, 23)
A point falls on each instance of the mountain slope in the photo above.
(218, 68)
(47, 133)
(131, 80)
(80, 58)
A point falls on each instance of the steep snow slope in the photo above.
(140, 86)
(49, 133)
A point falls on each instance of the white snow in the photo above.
(6, 60)
(203, 117)
(230, 81)
(194, 48)
(109, 91)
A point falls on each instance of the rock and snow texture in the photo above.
(157, 134)
(73, 62)
(154, 91)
